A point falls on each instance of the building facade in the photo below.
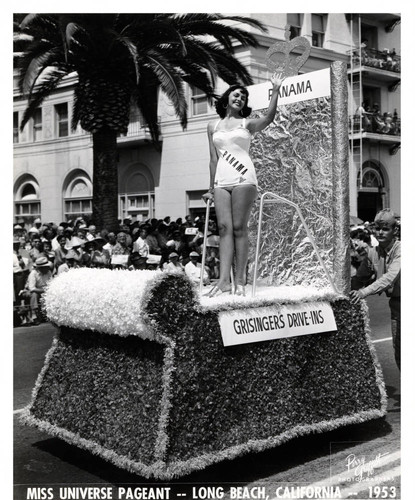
(53, 164)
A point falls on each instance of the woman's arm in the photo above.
(212, 162)
(258, 124)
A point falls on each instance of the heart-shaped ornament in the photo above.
(281, 59)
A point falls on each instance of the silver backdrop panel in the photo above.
(297, 158)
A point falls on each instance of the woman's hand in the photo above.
(207, 196)
(276, 80)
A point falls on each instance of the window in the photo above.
(294, 20)
(62, 120)
(137, 194)
(15, 127)
(318, 22)
(199, 102)
(372, 179)
(195, 204)
(78, 197)
(77, 208)
(37, 125)
(27, 201)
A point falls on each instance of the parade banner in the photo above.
(271, 323)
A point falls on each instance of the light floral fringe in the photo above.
(43, 371)
(162, 440)
(268, 296)
(165, 471)
(378, 370)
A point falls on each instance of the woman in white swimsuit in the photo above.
(233, 182)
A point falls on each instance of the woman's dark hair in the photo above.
(222, 103)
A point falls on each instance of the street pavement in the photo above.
(311, 461)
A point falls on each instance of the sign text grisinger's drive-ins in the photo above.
(243, 326)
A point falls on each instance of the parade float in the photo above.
(152, 376)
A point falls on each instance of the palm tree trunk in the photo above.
(105, 179)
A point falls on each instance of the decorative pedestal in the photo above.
(139, 375)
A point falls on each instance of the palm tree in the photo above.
(120, 59)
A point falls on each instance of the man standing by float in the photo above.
(383, 262)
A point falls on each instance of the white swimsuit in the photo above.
(234, 165)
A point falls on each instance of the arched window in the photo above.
(372, 178)
(27, 200)
(136, 198)
(77, 195)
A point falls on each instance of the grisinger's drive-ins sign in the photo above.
(244, 326)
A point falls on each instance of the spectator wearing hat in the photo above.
(37, 281)
(99, 256)
(33, 233)
(37, 247)
(81, 232)
(76, 244)
(37, 223)
(193, 268)
(88, 249)
(127, 221)
(71, 262)
(380, 271)
(17, 231)
(79, 221)
(174, 265)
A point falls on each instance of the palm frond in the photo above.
(36, 66)
(227, 67)
(170, 82)
(42, 91)
(146, 99)
(216, 25)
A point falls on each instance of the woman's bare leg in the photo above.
(223, 209)
(243, 198)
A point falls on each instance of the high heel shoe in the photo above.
(240, 290)
(216, 291)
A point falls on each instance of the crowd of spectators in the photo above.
(46, 250)
(370, 119)
(385, 59)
